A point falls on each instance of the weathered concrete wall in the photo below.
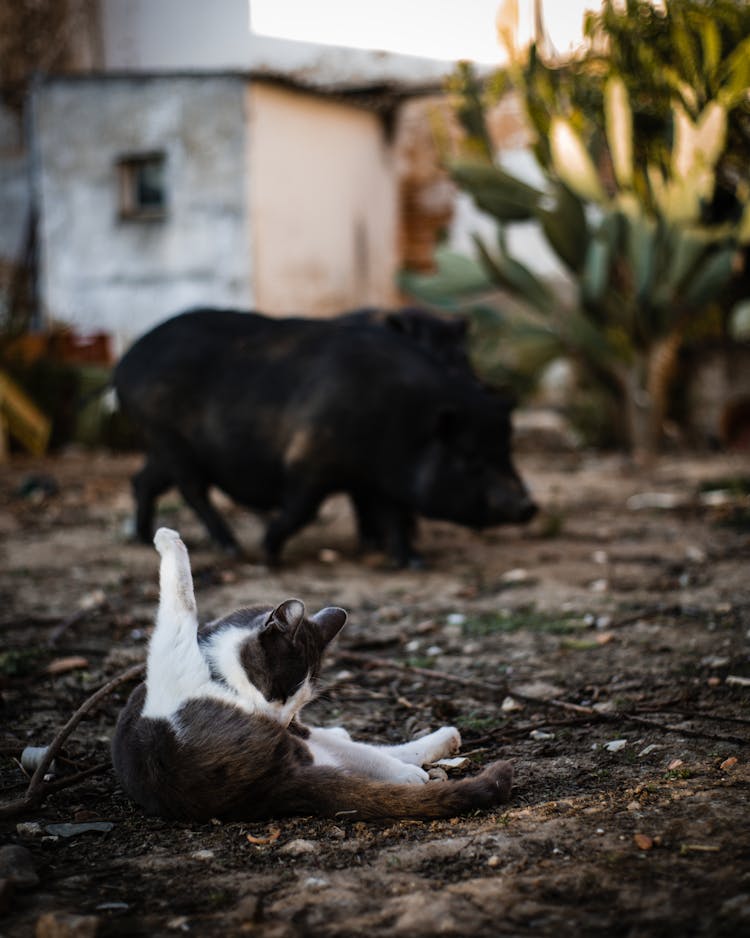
(323, 203)
(102, 272)
(14, 198)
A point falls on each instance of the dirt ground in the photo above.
(619, 619)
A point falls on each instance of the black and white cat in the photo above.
(214, 732)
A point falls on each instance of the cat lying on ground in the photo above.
(214, 730)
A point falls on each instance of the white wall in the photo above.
(155, 35)
(323, 203)
(100, 272)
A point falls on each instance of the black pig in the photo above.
(280, 413)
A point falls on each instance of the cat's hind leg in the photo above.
(176, 668)
(441, 744)
(333, 747)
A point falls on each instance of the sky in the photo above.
(441, 29)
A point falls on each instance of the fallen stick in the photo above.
(535, 701)
(38, 788)
(374, 662)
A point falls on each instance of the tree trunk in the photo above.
(646, 384)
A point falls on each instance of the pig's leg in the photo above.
(195, 493)
(296, 512)
(148, 484)
(368, 526)
(399, 527)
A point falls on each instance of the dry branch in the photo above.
(38, 789)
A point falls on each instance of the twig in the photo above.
(371, 660)
(38, 788)
(626, 718)
(66, 624)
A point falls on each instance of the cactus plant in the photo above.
(629, 218)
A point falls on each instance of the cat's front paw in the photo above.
(411, 775)
(166, 540)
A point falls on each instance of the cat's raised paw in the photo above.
(166, 539)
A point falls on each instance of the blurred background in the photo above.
(572, 177)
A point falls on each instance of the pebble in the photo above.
(316, 882)
(202, 855)
(65, 925)
(29, 829)
(71, 830)
(299, 847)
(17, 866)
(541, 734)
(615, 745)
(494, 861)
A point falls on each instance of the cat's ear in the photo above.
(287, 617)
(330, 621)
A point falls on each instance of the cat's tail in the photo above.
(326, 791)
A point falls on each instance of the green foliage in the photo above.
(644, 147)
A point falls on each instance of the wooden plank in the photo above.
(21, 418)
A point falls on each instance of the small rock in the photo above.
(246, 909)
(456, 618)
(434, 650)
(93, 600)
(178, 923)
(510, 704)
(413, 645)
(202, 855)
(674, 764)
(455, 763)
(65, 925)
(517, 575)
(738, 907)
(494, 861)
(737, 681)
(316, 882)
(299, 847)
(600, 557)
(541, 735)
(436, 774)
(32, 756)
(17, 865)
(615, 745)
(634, 806)
(328, 555)
(665, 501)
(71, 830)
(29, 829)
(643, 841)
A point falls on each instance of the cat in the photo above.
(214, 730)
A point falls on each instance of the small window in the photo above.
(142, 186)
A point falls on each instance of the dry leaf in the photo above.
(728, 763)
(643, 841)
(273, 835)
(63, 665)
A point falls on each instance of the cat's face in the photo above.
(281, 649)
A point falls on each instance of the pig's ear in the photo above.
(330, 621)
(287, 617)
(448, 423)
